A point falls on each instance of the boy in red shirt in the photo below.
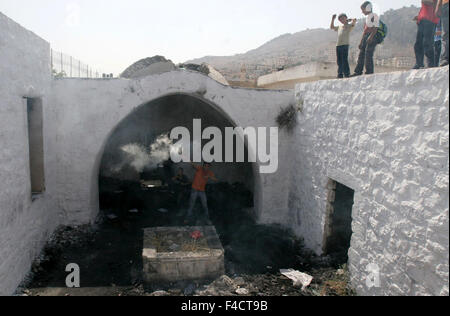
(426, 21)
(202, 175)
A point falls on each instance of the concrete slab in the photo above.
(198, 260)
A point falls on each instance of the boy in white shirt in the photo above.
(371, 38)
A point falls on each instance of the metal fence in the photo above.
(65, 66)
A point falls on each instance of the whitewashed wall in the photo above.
(89, 110)
(387, 137)
(24, 225)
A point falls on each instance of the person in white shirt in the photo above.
(371, 38)
(343, 43)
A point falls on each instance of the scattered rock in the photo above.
(242, 291)
(223, 286)
(160, 293)
(299, 278)
(176, 292)
(189, 290)
(239, 281)
(208, 70)
(225, 282)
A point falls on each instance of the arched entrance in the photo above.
(135, 172)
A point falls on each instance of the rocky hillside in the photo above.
(315, 45)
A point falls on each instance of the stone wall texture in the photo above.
(387, 137)
(25, 226)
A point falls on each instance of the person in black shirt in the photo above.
(181, 185)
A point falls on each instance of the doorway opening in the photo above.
(338, 227)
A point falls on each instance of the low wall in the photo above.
(312, 70)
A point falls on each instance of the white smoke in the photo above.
(139, 157)
(160, 149)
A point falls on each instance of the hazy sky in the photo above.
(112, 34)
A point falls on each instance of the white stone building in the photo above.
(383, 136)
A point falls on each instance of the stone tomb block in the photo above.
(171, 254)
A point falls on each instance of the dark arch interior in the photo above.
(136, 172)
(141, 185)
(157, 118)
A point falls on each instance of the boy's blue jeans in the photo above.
(342, 61)
(194, 196)
(425, 43)
(366, 53)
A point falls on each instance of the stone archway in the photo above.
(168, 111)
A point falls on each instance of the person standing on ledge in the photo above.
(442, 11)
(438, 44)
(371, 38)
(426, 29)
(202, 175)
(343, 43)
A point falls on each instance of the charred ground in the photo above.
(109, 253)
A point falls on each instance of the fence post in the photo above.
(71, 66)
(62, 67)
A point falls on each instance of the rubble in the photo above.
(190, 290)
(159, 64)
(148, 66)
(299, 278)
(208, 70)
(72, 236)
(242, 291)
(223, 286)
(254, 254)
(160, 293)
